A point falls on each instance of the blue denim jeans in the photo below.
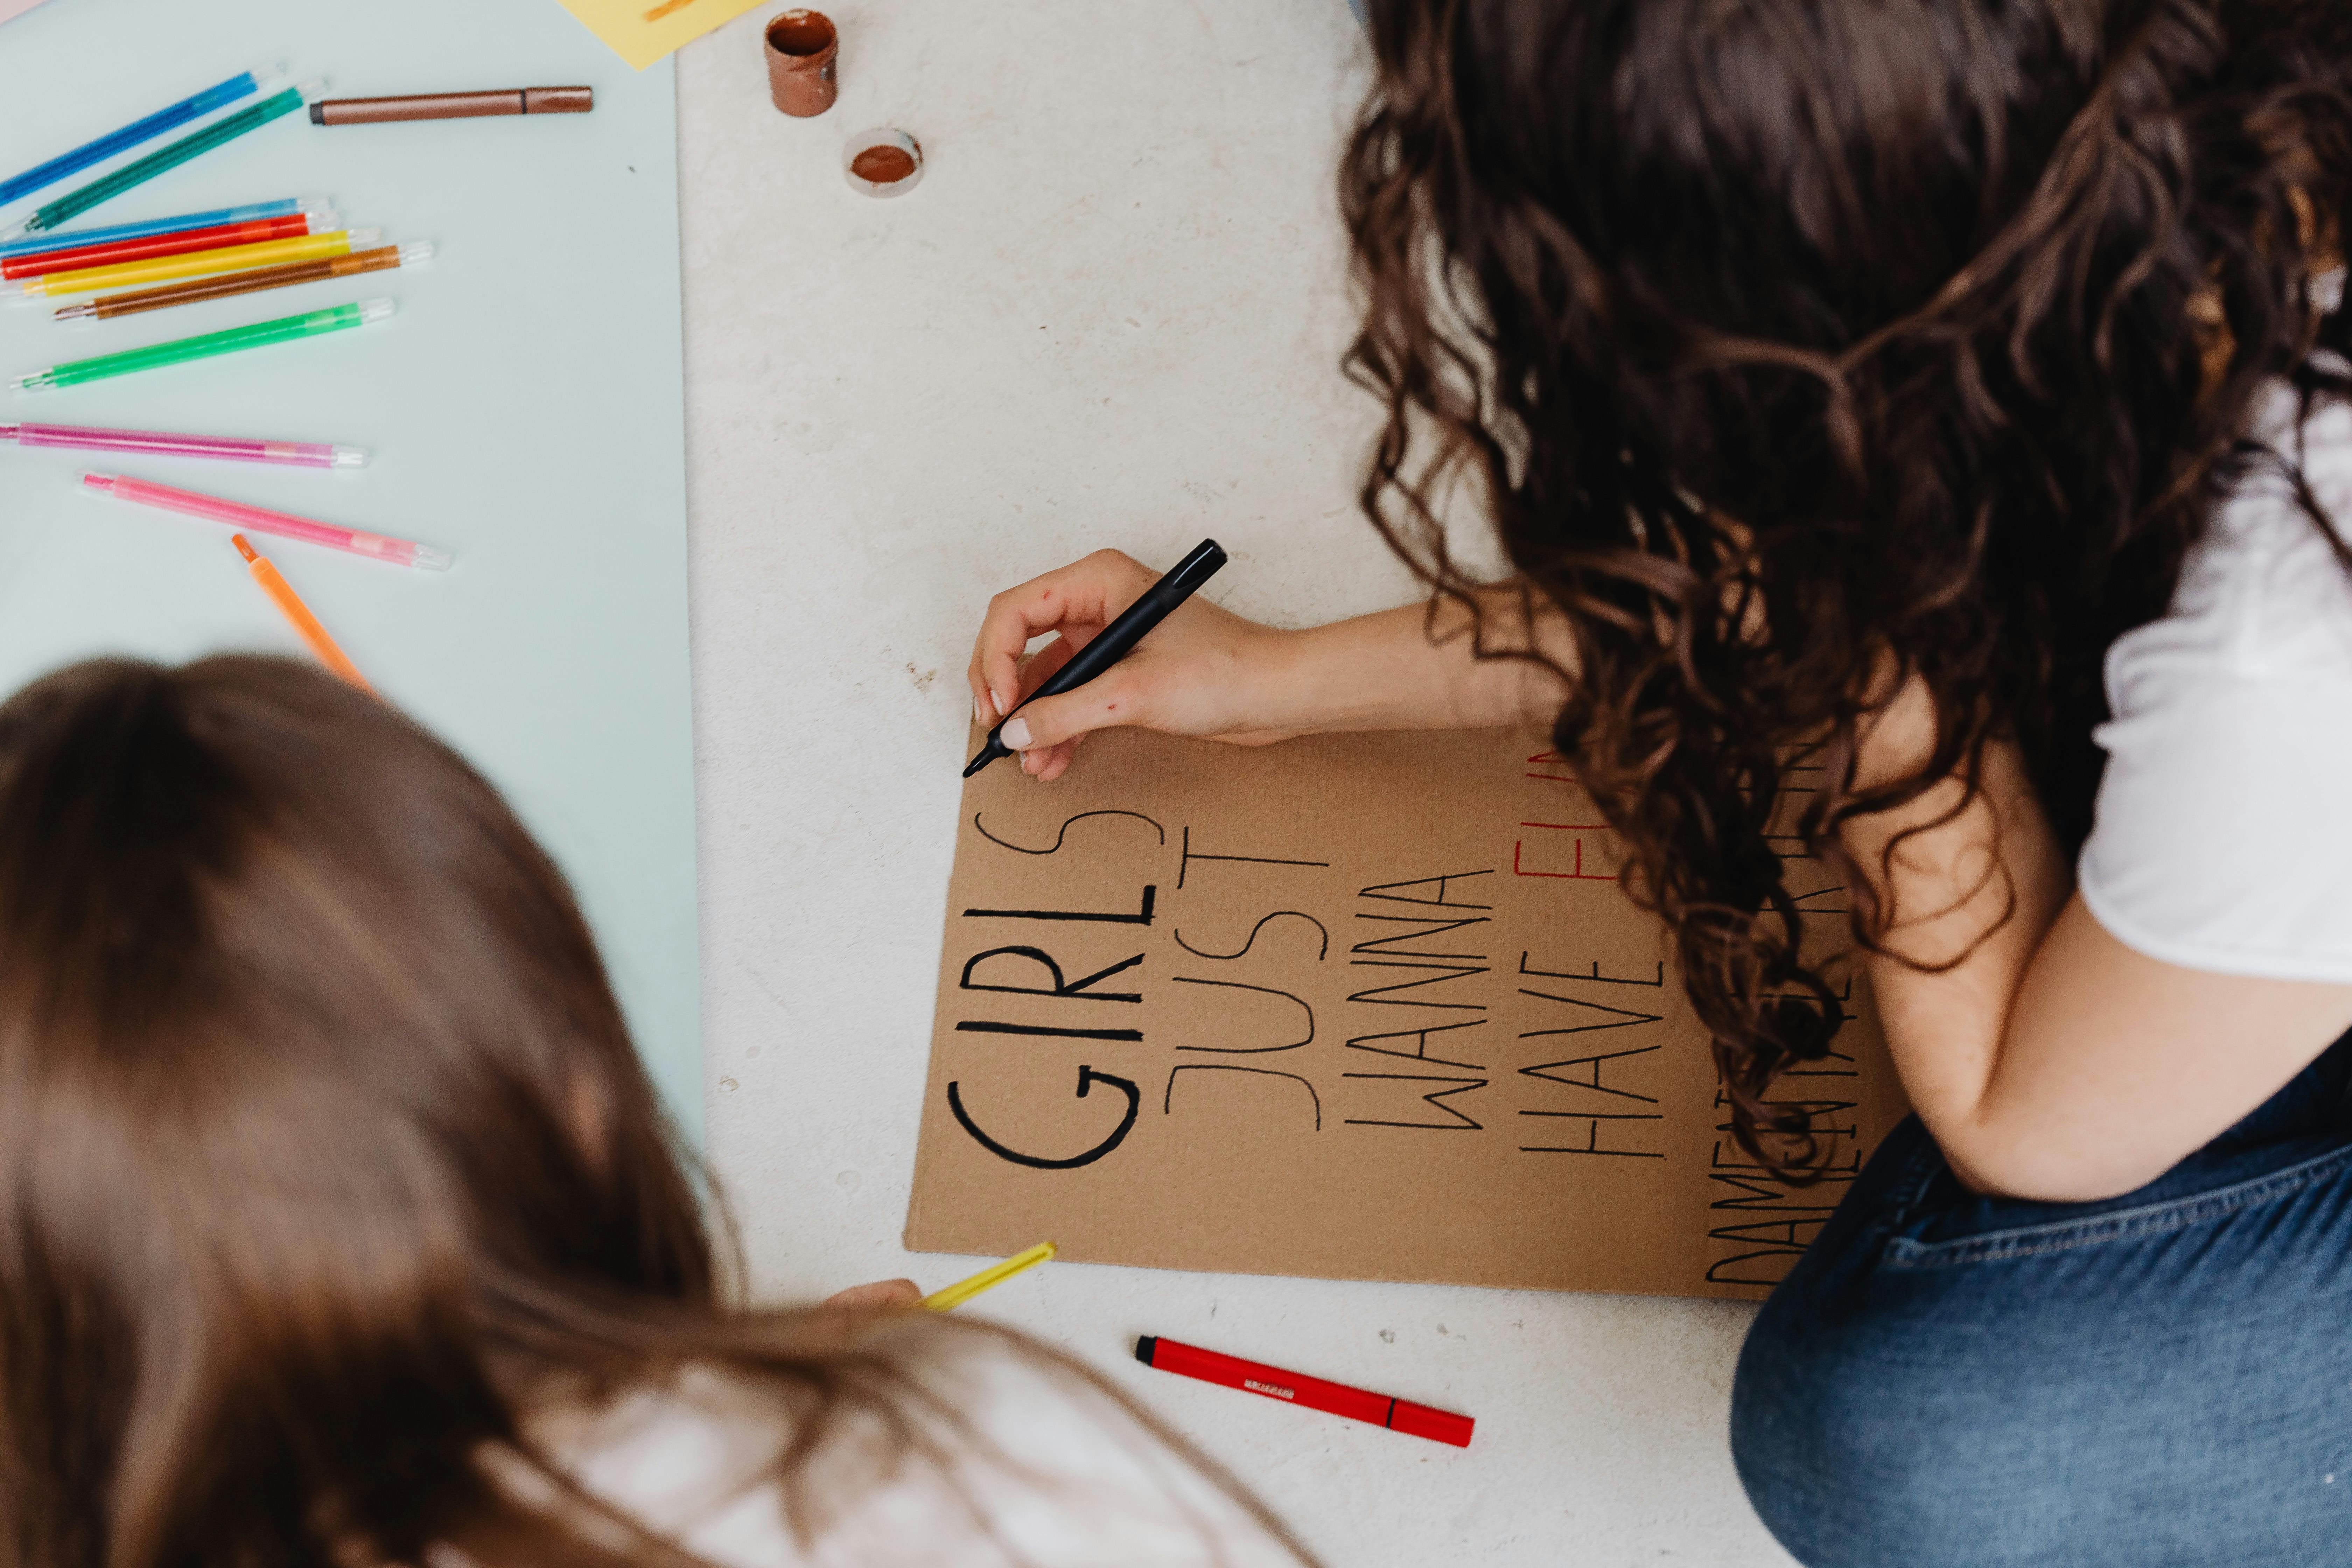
(2157, 1380)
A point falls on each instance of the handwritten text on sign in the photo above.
(1362, 1007)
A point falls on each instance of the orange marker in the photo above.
(295, 611)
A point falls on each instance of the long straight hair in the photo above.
(1800, 349)
(325, 1160)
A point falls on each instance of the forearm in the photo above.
(1420, 666)
(1972, 900)
(1209, 673)
(2049, 1060)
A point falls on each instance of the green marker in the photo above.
(69, 206)
(285, 330)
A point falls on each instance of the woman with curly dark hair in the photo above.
(1949, 395)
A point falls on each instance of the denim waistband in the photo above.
(1928, 1204)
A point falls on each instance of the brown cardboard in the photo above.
(1359, 1008)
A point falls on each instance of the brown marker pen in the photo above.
(454, 105)
(227, 285)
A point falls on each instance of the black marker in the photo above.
(1117, 640)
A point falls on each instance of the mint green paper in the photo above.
(524, 408)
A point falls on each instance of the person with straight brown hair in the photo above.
(1920, 435)
(340, 1228)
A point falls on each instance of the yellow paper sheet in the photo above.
(622, 24)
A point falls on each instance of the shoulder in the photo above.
(2231, 730)
(2264, 593)
(1015, 1458)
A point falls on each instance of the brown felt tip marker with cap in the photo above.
(454, 105)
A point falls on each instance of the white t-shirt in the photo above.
(2223, 834)
(1080, 1483)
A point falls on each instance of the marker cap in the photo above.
(363, 238)
(410, 255)
(1439, 1425)
(558, 100)
(349, 458)
(376, 310)
(313, 89)
(1207, 559)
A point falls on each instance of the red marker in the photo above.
(155, 246)
(1332, 1398)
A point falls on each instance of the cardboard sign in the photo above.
(1359, 1007)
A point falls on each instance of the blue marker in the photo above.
(129, 136)
(61, 239)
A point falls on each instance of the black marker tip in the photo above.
(988, 754)
(1146, 1347)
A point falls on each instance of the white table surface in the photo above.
(1112, 314)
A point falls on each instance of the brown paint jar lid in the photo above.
(882, 162)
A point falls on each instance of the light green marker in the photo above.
(76, 203)
(285, 330)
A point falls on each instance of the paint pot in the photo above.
(884, 163)
(801, 49)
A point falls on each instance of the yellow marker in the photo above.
(964, 1290)
(196, 263)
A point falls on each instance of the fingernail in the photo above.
(1015, 734)
(1028, 762)
(978, 715)
(1004, 703)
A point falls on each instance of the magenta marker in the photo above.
(397, 552)
(161, 444)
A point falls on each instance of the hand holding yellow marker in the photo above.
(964, 1290)
(295, 611)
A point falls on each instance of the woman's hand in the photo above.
(1203, 671)
(1207, 673)
(844, 1315)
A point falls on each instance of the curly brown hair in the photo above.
(1802, 350)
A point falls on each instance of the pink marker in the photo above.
(160, 443)
(397, 552)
